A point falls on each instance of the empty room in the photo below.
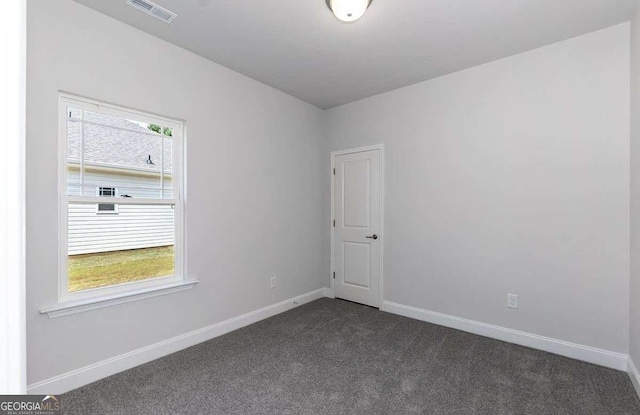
(320, 207)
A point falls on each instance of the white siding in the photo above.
(133, 227)
(137, 186)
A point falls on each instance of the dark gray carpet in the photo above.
(335, 357)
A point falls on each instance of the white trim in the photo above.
(132, 287)
(91, 373)
(357, 150)
(150, 133)
(13, 378)
(116, 168)
(334, 154)
(93, 105)
(178, 177)
(90, 200)
(633, 375)
(94, 303)
(589, 354)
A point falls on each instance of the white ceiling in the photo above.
(297, 46)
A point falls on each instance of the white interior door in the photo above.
(357, 233)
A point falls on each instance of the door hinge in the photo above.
(334, 172)
(334, 223)
(334, 275)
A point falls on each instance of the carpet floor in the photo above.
(336, 357)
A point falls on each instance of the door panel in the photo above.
(357, 206)
(357, 260)
(357, 268)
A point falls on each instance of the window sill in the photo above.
(80, 306)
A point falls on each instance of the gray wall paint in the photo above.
(254, 172)
(508, 177)
(634, 311)
(511, 177)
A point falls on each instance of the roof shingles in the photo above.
(117, 142)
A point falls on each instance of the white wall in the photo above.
(510, 177)
(253, 205)
(13, 367)
(634, 311)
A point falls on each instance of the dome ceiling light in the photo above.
(348, 10)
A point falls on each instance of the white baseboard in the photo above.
(88, 374)
(634, 375)
(589, 354)
(85, 375)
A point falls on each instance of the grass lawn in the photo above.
(109, 268)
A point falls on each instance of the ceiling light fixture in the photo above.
(348, 10)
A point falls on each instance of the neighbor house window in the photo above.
(133, 240)
(107, 207)
(107, 191)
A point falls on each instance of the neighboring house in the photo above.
(122, 159)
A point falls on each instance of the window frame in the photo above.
(116, 193)
(178, 180)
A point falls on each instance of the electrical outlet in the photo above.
(274, 281)
(512, 301)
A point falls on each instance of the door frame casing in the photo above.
(334, 154)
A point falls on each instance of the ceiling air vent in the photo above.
(153, 9)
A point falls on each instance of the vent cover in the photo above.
(153, 9)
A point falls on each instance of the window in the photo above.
(107, 191)
(106, 207)
(133, 241)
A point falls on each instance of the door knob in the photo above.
(374, 236)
